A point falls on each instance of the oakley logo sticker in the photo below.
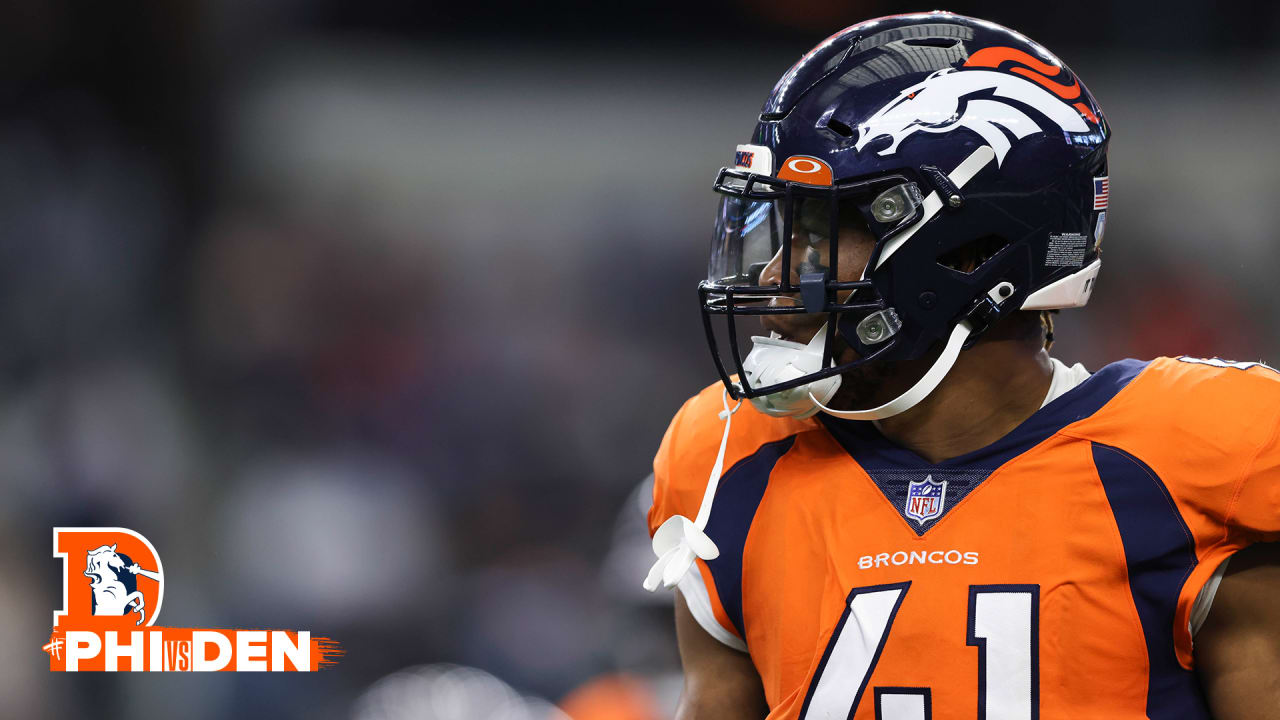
(984, 101)
(806, 169)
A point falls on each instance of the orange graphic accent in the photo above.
(1084, 110)
(1037, 70)
(1066, 93)
(325, 652)
(994, 57)
(806, 169)
(1040, 71)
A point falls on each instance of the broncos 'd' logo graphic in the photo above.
(976, 99)
(113, 581)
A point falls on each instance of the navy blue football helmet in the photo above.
(936, 133)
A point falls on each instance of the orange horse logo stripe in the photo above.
(1037, 70)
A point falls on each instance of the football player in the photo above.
(897, 505)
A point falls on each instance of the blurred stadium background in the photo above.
(371, 314)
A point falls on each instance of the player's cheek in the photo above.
(853, 258)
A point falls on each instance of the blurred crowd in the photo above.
(371, 318)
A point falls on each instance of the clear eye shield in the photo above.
(777, 251)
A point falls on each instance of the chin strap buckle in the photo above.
(987, 309)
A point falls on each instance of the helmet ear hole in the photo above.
(840, 128)
(971, 256)
(938, 42)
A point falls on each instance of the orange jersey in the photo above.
(1050, 575)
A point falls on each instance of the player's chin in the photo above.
(864, 386)
(794, 328)
(844, 354)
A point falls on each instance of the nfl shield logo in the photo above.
(925, 499)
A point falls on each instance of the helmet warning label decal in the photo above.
(1066, 250)
(112, 591)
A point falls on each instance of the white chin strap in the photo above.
(919, 391)
(773, 360)
(679, 540)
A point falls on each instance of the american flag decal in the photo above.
(1101, 192)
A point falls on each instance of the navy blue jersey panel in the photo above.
(902, 475)
(910, 490)
(737, 499)
(1160, 552)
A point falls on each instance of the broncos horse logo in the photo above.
(114, 585)
(978, 99)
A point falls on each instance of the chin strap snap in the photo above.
(679, 540)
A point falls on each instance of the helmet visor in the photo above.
(748, 234)
(759, 216)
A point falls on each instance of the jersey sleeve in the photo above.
(677, 490)
(680, 472)
(1225, 453)
(1221, 452)
(1254, 511)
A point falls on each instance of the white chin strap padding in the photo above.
(919, 391)
(773, 360)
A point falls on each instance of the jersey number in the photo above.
(1004, 626)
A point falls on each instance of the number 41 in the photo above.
(1004, 625)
